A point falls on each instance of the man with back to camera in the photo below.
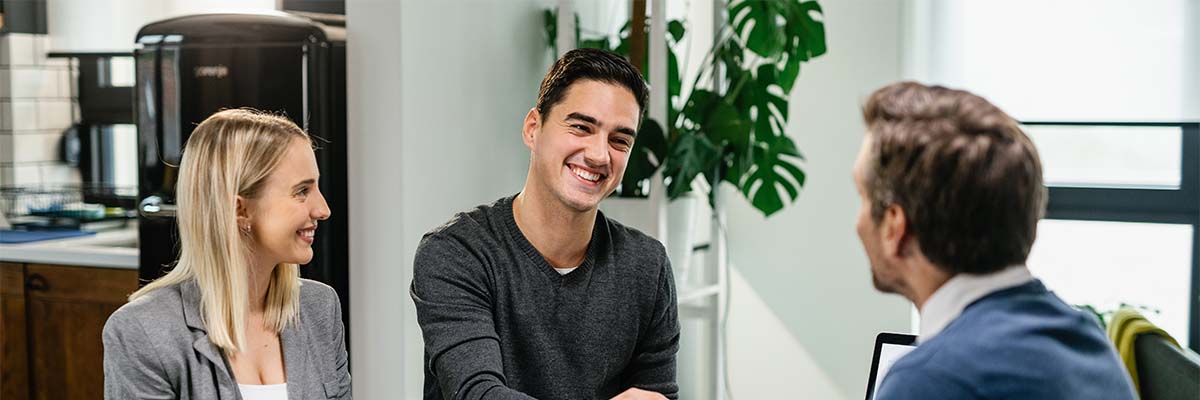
(951, 194)
(539, 295)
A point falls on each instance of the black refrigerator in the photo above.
(190, 67)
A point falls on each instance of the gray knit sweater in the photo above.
(500, 323)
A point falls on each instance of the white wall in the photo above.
(437, 94)
(805, 264)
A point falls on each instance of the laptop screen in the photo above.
(889, 347)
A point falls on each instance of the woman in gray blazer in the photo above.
(233, 319)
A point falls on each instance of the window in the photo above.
(1123, 221)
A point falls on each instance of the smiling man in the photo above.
(539, 295)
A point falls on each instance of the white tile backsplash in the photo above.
(38, 147)
(35, 107)
(66, 86)
(60, 174)
(54, 114)
(33, 82)
(5, 116)
(4, 82)
(24, 115)
(17, 49)
(6, 175)
(26, 175)
(41, 45)
(7, 149)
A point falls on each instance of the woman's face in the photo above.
(283, 217)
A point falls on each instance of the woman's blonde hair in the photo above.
(228, 155)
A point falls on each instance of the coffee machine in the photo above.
(190, 67)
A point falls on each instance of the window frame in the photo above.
(1134, 204)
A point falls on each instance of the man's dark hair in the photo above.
(591, 64)
(968, 179)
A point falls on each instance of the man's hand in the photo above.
(639, 394)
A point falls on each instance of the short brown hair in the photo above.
(590, 64)
(968, 179)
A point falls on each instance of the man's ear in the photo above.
(533, 124)
(894, 233)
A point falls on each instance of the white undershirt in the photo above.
(949, 300)
(263, 392)
(564, 271)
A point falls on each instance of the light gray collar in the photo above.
(949, 300)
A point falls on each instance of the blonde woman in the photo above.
(233, 319)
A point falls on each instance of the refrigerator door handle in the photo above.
(153, 207)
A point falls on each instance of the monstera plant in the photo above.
(732, 126)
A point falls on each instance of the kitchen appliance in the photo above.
(189, 67)
(102, 142)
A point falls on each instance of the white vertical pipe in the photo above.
(916, 40)
(717, 262)
(659, 95)
(565, 41)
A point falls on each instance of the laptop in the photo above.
(889, 347)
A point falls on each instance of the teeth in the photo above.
(308, 233)
(586, 175)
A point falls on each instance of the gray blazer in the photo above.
(156, 347)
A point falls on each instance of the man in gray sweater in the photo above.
(539, 295)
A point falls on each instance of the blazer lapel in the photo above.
(203, 346)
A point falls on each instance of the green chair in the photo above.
(1166, 372)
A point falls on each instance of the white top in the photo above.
(263, 392)
(948, 301)
(564, 271)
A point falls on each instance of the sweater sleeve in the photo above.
(921, 384)
(454, 310)
(653, 365)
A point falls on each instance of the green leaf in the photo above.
(719, 121)
(674, 82)
(769, 174)
(767, 36)
(805, 34)
(789, 73)
(770, 109)
(550, 21)
(676, 30)
(652, 139)
(649, 149)
(690, 155)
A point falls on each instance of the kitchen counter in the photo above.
(109, 249)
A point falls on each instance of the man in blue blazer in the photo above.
(951, 194)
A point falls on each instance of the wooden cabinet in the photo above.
(51, 317)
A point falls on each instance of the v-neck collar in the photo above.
(522, 242)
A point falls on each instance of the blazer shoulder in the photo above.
(317, 295)
(155, 311)
(319, 305)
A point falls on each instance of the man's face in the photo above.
(884, 274)
(578, 151)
